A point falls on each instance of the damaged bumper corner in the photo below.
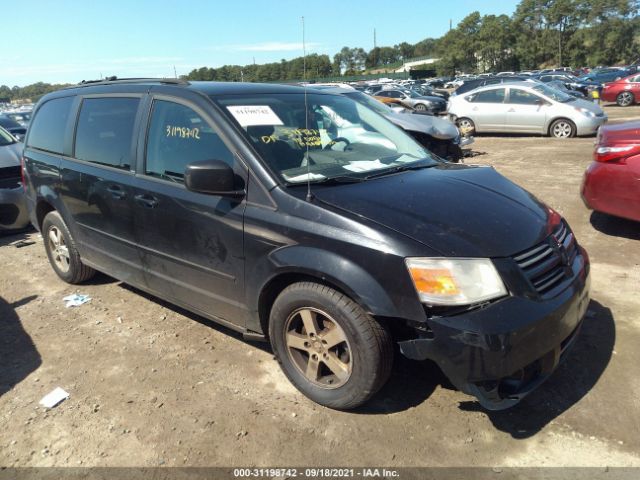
(503, 352)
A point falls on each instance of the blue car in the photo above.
(605, 75)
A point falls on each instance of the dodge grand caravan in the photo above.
(308, 220)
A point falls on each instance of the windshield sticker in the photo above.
(365, 166)
(182, 132)
(254, 115)
(302, 137)
(305, 177)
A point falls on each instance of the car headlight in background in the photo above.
(585, 111)
(455, 281)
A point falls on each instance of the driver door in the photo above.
(191, 243)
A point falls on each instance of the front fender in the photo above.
(327, 266)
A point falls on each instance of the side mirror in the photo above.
(213, 177)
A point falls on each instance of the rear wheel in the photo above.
(625, 99)
(328, 346)
(466, 126)
(562, 128)
(62, 252)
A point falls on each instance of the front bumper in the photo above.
(590, 125)
(13, 207)
(502, 352)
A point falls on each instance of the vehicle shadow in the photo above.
(17, 237)
(568, 385)
(411, 383)
(615, 226)
(264, 346)
(18, 354)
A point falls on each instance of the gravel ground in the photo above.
(151, 384)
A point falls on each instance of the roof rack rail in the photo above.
(114, 79)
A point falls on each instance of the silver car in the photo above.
(523, 107)
(13, 209)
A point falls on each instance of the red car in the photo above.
(612, 182)
(624, 92)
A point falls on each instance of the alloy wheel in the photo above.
(562, 130)
(318, 347)
(59, 250)
(625, 99)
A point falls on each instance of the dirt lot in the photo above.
(154, 385)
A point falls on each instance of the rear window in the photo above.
(105, 131)
(47, 130)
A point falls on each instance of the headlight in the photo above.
(586, 112)
(455, 281)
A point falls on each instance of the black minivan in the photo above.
(307, 219)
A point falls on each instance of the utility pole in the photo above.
(375, 63)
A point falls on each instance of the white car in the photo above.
(525, 107)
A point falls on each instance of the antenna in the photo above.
(306, 110)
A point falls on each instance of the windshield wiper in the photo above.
(340, 179)
(400, 168)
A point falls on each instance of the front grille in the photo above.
(10, 172)
(548, 264)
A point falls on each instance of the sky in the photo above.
(149, 38)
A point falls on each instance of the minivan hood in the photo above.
(457, 210)
(433, 126)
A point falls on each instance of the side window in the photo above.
(177, 137)
(521, 97)
(383, 94)
(493, 81)
(47, 130)
(546, 78)
(490, 96)
(105, 131)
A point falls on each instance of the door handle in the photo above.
(146, 201)
(116, 192)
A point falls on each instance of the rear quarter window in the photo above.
(48, 127)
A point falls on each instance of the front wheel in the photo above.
(562, 128)
(328, 346)
(625, 99)
(421, 107)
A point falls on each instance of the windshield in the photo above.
(337, 137)
(553, 93)
(6, 138)
(413, 93)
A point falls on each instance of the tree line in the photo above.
(539, 34)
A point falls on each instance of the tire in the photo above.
(62, 252)
(421, 107)
(562, 128)
(625, 99)
(466, 124)
(346, 340)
